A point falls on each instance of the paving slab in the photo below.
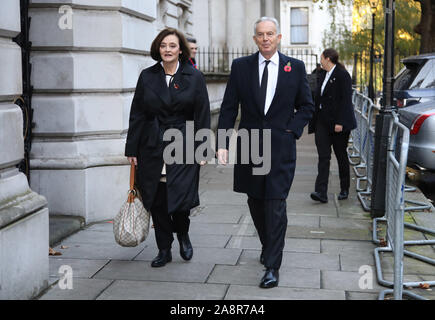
(354, 261)
(222, 229)
(89, 236)
(103, 226)
(291, 244)
(240, 292)
(297, 260)
(361, 296)
(152, 290)
(333, 222)
(292, 220)
(410, 265)
(328, 233)
(221, 213)
(350, 281)
(219, 197)
(98, 251)
(251, 275)
(197, 240)
(347, 246)
(310, 207)
(81, 268)
(200, 255)
(82, 289)
(142, 270)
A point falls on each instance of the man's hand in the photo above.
(132, 160)
(222, 156)
(338, 128)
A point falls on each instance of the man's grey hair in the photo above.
(278, 31)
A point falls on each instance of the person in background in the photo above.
(333, 120)
(193, 50)
(168, 94)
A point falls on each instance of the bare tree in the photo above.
(426, 27)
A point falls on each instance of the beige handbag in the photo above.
(131, 224)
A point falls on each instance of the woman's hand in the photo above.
(222, 156)
(338, 128)
(132, 160)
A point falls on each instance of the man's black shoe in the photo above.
(162, 258)
(270, 278)
(317, 196)
(343, 195)
(186, 250)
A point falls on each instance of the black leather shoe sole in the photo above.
(317, 197)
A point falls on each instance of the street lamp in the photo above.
(384, 118)
(373, 6)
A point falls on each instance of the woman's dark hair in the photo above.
(155, 46)
(332, 54)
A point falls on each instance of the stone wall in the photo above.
(84, 74)
(23, 213)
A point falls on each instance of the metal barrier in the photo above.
(353, 150)
(397, 155)
(362, 147)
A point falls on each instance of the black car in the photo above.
(415, 83)
(414, 95)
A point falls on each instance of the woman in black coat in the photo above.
(169, 95)
(333, 120)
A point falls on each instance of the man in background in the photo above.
(193, 49)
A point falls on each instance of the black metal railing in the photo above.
(219, 60)
(361, 70)
(25, 100)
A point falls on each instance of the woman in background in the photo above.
(333, 120)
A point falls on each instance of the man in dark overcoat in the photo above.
(273, 92)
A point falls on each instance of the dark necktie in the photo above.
(263, 87)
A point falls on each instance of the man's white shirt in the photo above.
(272, 79)
(327, 76)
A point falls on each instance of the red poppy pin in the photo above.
(288, 67)
(176, 86)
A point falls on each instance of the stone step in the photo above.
(62, 227)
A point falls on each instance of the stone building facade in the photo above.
(85, 60)
(23, 213)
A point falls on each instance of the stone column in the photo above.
(23, 213)
(87, 57)
(236, 11)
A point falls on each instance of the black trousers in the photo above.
(338, 140)
(165, 224)
(270, 220)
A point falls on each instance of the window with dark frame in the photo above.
(299, 25)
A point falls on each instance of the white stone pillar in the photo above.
(86, 60)
(236, 11)
(23, 216)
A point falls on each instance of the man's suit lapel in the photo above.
(283, 78)
(255, 81)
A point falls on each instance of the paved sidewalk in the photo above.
(326, 244)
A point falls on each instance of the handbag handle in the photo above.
(132, 191)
